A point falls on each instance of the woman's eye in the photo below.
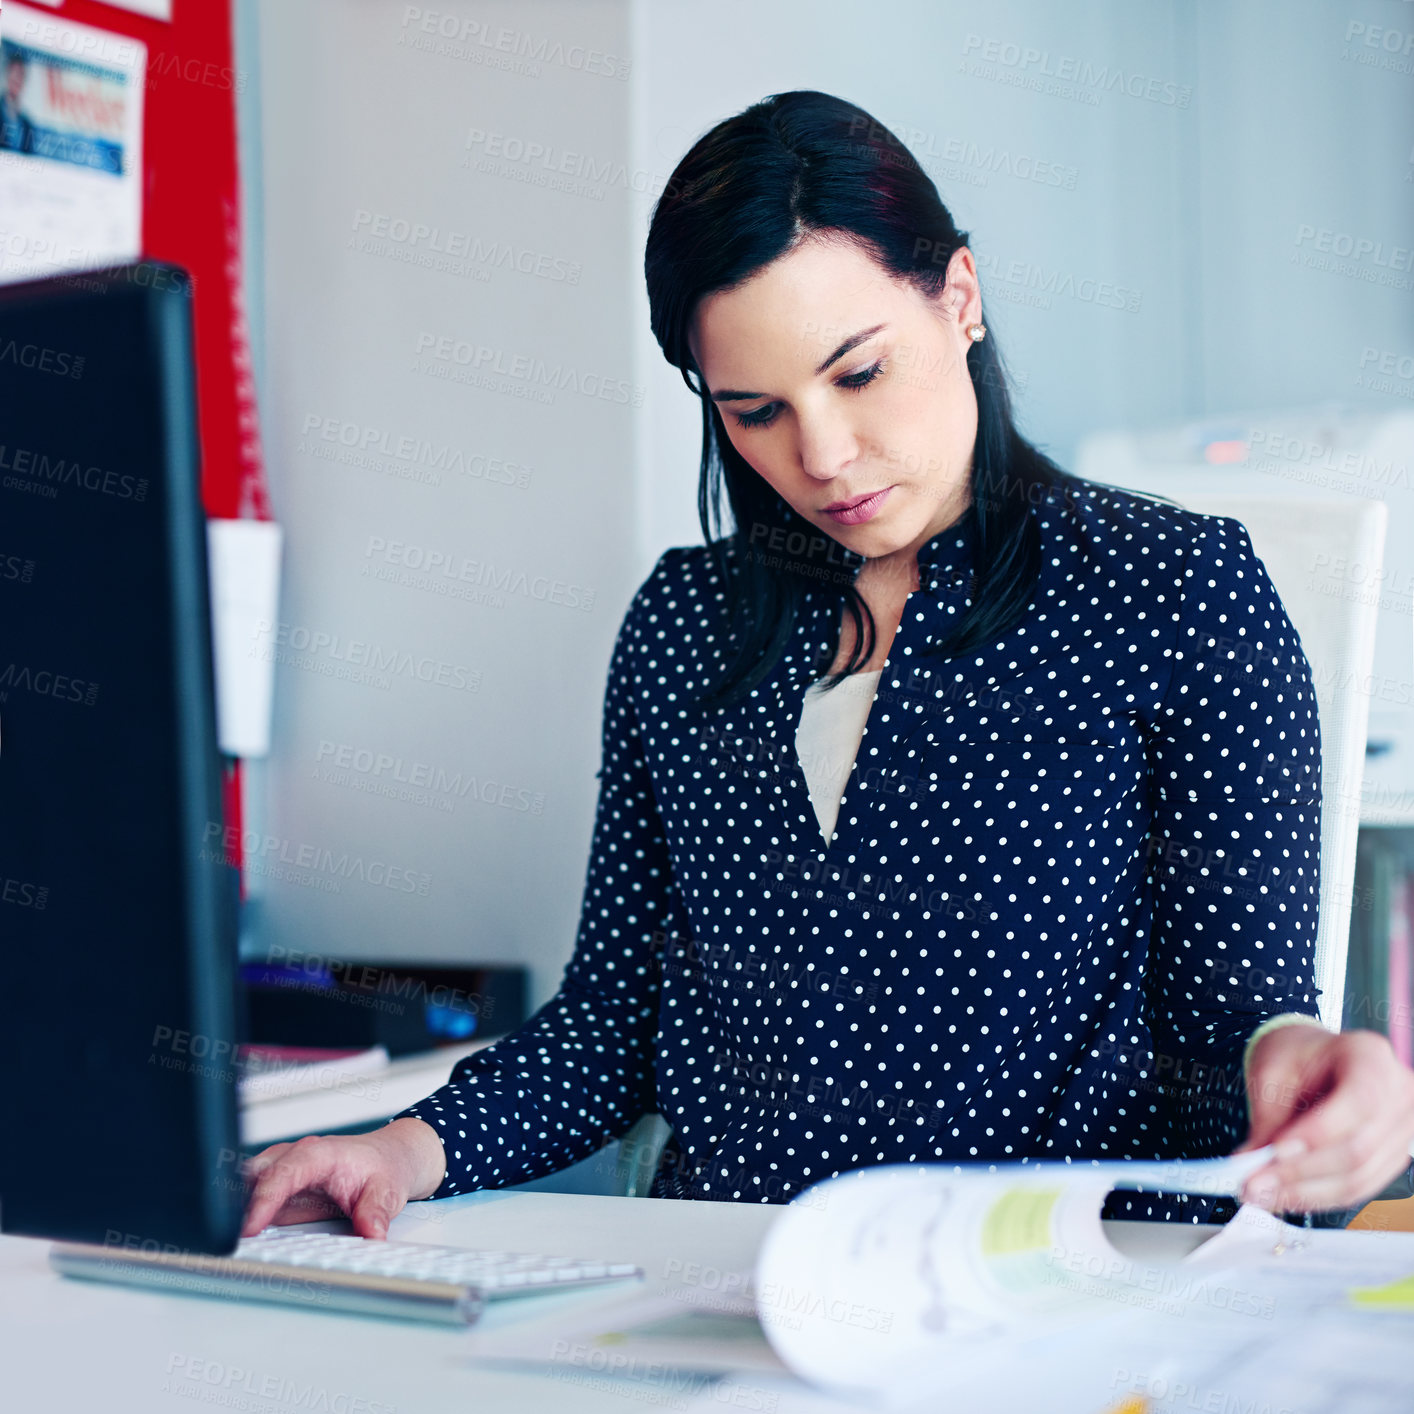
(759, 418)
(863, 377)
(764, 416)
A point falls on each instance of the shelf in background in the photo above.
(353, 1101)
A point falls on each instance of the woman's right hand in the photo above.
(368, 1177)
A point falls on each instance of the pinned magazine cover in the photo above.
(71, 110)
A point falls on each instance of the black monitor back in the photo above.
(118, 1117)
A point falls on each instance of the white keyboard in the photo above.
(320, 1270)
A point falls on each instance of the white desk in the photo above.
(68, 1346)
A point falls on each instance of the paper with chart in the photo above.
(925, 1288)
(902, 1281)
(71, 105)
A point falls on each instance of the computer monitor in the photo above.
(118, 912)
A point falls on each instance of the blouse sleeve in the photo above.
(1234, 763)
(580, 1071)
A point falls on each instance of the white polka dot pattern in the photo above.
(1071, 873)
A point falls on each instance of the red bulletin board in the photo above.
(191, 216)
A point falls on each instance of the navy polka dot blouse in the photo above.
(1072, 872)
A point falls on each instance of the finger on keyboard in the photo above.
(374, 1208)
(256, 1164)
(306, 1208)
(281, 1184)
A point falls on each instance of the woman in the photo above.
(1066, 905)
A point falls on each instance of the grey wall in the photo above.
(479, 412)
(1305, 137)
(1181, 198)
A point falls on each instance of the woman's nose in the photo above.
(827, 445)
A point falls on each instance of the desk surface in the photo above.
(79, 1346)
(67, 1345)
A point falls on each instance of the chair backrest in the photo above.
(1324, 557)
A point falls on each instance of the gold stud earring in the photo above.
(976, 332)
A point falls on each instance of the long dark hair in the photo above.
(746, 193)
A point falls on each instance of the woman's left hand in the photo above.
(1339, 1107)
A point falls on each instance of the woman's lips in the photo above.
(861, 510)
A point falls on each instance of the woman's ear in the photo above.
(962, 294)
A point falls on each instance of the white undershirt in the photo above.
(827, 740)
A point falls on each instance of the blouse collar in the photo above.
(944, 561)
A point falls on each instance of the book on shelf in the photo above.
(270, 1072)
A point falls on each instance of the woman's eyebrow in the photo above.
(731, 395)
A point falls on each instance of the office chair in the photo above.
(639, 1153)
